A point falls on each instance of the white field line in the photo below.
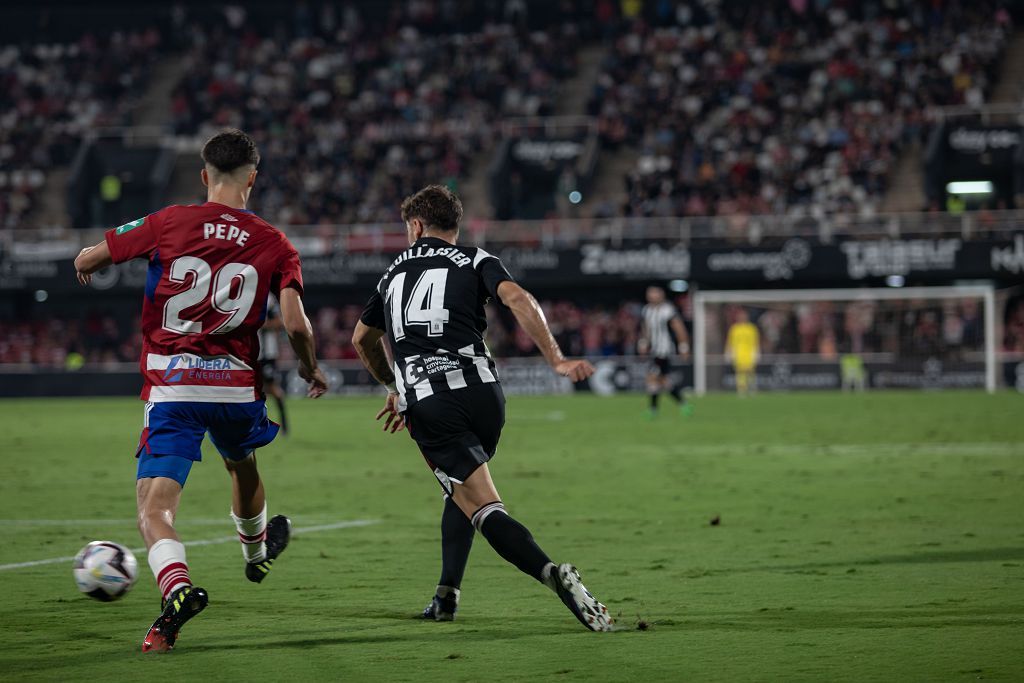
(206, 541)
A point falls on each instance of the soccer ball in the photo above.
(105, 570)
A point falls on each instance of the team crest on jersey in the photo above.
(129, 226)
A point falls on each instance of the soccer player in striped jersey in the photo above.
(443, 386)
(270, 351)
(211, 269)
(662, 337)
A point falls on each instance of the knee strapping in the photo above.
(484, 512)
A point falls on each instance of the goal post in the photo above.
(883, 313)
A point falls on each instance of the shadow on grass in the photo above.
(430, 633)
(925, 557)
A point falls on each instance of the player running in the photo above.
(663, 336)
(444, 387)
(743, 348)
(211, 268)
(270, 350)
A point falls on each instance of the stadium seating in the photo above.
(51, 94)
(785, 107)
(351, 120)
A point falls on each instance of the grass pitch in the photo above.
(866, 537)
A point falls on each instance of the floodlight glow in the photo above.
(894, 280)
(678, 285)
(970, 187)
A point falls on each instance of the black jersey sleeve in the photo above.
(373, 313)
(493, 273)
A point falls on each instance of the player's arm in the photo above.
(682, 338)
(530, 317)
(730, 338)
(300, 336)
(643, 343)
(91, 259)
(273, 323)
(370, 343)
(131, 240)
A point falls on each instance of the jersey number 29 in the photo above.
(425, 305)
(234, 291)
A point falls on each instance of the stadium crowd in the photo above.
(785, 107)
(823, 329)
(735, 109)
(826, 329)
(52, 94)
(352, 116)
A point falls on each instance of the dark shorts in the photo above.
(457, 431)
(268, 369)
(660, 365)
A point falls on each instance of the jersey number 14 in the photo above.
(425, 305)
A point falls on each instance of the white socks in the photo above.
(167, 560)
(253, 534)
(548, 576)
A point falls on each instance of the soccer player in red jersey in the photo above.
(211, 269)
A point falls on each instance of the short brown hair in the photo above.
(230, 151)
(435, 205)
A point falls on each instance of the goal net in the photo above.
(851, 339)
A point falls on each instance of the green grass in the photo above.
(869, 537)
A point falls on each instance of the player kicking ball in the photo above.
(444, 387)
(211, 269)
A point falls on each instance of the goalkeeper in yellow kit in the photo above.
(742, 347)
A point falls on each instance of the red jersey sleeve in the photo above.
(135, 239)
(289, 271)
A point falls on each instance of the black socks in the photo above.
(511, 540)
(456, 540)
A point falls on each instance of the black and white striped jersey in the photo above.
(270, 348)
(656, 323)
(431, 303)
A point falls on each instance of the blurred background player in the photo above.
(270, 351)
(743, 348)
(211, 268)
(443, 384)
(663, 336)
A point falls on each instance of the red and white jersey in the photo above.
(211, 268)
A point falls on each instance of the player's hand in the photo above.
(316, 380)
(395, 421)
(576, 370)
(83, 278)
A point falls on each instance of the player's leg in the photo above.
(273, 387)
(479, 501)
(653, 384)
(675, 390)
(168, 447)
(742, 377)
(432, 425)
(236, 432)
(456, 541)
(478, 498)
